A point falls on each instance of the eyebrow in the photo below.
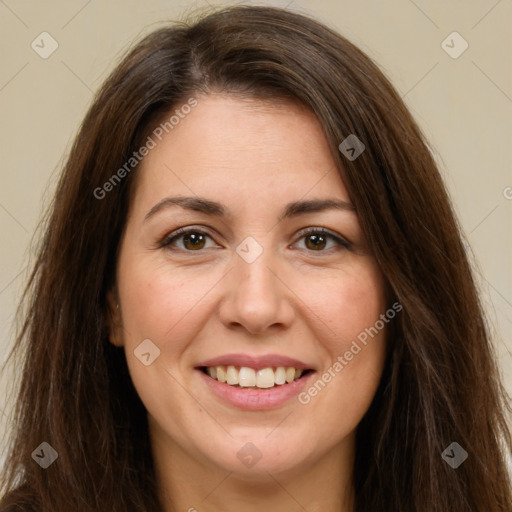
(215, 209)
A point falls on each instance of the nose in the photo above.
(256, 298)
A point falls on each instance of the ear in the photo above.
(114, 321)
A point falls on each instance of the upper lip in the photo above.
(263, 361)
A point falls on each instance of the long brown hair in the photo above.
(440, 382)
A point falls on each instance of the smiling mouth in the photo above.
(251, 378)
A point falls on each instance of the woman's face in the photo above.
(254, 286)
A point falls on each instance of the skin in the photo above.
(295, 299)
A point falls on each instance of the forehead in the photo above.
(243, 151)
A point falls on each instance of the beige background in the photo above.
(464, 106)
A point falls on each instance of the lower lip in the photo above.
(255, 399)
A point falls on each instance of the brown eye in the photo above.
(315, 242)
(194, 241)
(321, 240)
(186, 240)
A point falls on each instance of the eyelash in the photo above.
(169, 239)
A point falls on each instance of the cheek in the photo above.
(160, 302)
(350, 333)
(347, 302)
(360, 333)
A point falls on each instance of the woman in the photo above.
(252, 291)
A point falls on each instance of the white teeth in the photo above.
(246, 377)
(280, 377)
(264, 378)
(221, 374)
(232, 376)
